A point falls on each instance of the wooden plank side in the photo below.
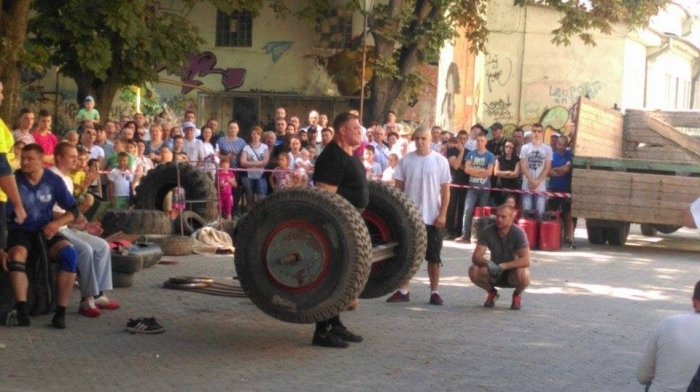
(682, 140)
(600, 176)
(678, 118)
(599, 130)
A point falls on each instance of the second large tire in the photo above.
(198, 187)
(393, 217)
(327, 237)
(136, 222)
(617, 236)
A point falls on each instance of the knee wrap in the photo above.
(68, 259)
(16, 266)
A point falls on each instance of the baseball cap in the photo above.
(89, 98)
(188, 124)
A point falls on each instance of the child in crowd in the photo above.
(88, 112)
(388, 174)
(302, 166)
(282, 177)
(373, 168)
(84, 174)
(227, 181)
(120, 180)
(312, 154)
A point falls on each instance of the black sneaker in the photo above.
(144, 325)
(328, 339)
(343, 333)
(59, 322)
(22, 319)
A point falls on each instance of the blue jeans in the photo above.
(537, 200)
(475, 197)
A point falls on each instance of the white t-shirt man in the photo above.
(422, 177)
(195, 151)
(672, 355)
(536, 157)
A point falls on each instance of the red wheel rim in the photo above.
(305, 240)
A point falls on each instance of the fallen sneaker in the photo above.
(103, 302)
(491, 298)
(517, 298)
(10, 318)
(144, 325)
(328, 339)
(88, 309)
(399, 297)
(435, 299)
(343, 333)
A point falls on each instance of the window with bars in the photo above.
(335, 30)
(234, 29)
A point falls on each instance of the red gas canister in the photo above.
(528, 222)
(550, 231)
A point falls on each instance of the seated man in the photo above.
(40, 190)
(94, 255)
(510, 258)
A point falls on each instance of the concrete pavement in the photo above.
(584, 323)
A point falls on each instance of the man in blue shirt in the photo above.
(479, 166)
(40, 190)
(560, 181)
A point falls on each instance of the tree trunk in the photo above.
(384, 91)
(13, 30)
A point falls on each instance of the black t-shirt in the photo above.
(496, 148)
(335, 167)
(459, 177)
(508, 165)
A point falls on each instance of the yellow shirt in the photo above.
(6, 143)
(78, 177)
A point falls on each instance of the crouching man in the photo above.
(40, 190)
(510, 259)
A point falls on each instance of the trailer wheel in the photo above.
(648, 230)
(667, 229)
(596, 235)
(303, 254)
(393, 217)
(617, 237)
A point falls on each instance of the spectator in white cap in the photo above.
(88, 112)
(193, 147)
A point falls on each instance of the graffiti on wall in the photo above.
(203, 64)
(277, 48)
(499, 109)
(497, 71)
(566, 95)
(452, 87)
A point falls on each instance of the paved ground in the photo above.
(583, 324)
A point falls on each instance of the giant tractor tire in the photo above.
(198, 187)
(393, 217)
(303, 254)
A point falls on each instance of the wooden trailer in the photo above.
(641, 167)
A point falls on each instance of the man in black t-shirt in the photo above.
(338, 170)
(456, 153)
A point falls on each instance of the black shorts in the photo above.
(29, 240)
(432, 251)
(563, 203)
(503, 280)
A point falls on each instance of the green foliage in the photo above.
(580, 19)
(121, 41)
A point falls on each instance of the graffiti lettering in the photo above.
(499, 109)
(496, 73)
(566, 95)
(203, 64)
(277, 48)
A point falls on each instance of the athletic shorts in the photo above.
(432, 251)
(29, 239)
(503, 280)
